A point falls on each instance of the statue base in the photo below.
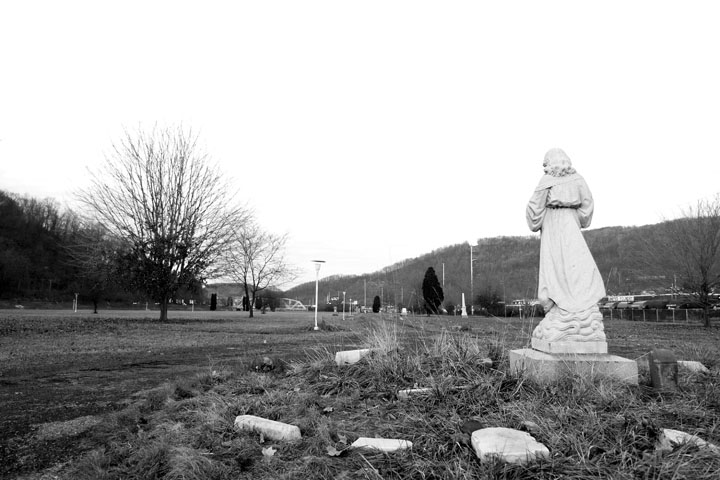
(569, 347)
(546, 367)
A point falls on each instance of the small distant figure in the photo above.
(569, 283)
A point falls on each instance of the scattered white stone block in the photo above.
(348, 357)
(695, 367)
(512, 446)
(269, 428)
(670, 439)
(405, 394)
(381, 444)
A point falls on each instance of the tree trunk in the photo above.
(706, 315)
(95, 302)
(252, 304)
(163, 309)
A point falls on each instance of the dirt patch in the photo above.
(46, 411)
(65, 374)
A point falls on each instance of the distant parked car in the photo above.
(656, 303)
(622, 305)
(691, 304)
(608, 304)
(639, 305)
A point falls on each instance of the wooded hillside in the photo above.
(504, 266)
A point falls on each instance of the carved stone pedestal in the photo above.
(546, 367)
(571, 343)
(564, 347)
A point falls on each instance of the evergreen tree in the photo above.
(376, 304)
(432, 291)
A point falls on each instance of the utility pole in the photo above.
(365, 290)
(472, 310)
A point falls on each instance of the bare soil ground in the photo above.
(60, 372)
(56, 367)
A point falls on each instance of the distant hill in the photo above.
(506, 266)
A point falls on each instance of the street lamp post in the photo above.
(317, 280)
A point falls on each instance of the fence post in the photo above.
(643, 314)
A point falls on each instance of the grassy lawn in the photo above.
(184, 382)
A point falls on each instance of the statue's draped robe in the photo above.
(568, 276)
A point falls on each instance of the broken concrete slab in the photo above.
(411, 392)
(693, 366)
(381, 444)
(670, 439)
(271, 429)
(349, 357)
(507, 444)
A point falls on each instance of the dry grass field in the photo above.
(120, 395)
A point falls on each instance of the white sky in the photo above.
(425, 123)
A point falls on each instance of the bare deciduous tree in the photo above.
(256, 260)
(93, 253)
(691, 245)
(158, 192)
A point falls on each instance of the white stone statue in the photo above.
(569, 284)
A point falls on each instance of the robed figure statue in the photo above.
(569, 283)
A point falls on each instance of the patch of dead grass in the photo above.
(68, 428)
(594, 427)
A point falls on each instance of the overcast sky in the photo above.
(423, 123)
